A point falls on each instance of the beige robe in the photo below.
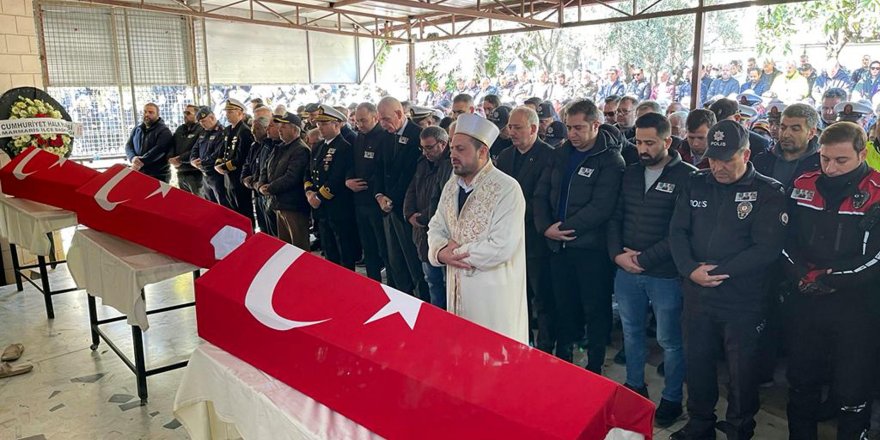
(491, 228)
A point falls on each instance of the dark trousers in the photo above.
(371, 232)
(840, 331)
(339, 239)
(216, 189)
(191, 182)
(403, 258)
(240, 197)
(540, 293)
(707, 330)
(582, 282)
(265, 217)
(293, 228)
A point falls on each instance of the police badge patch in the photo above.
(783, 218)
(743, 210)
(751, 196)
(549, 130)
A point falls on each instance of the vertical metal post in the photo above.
(134, 109)
(411, 46)
(696, 78)
(16, 267)
(207, 70)
(309, 56)
(93, 321)
(47, 290)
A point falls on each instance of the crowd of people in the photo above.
(744, 227)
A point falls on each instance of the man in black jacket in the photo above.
(400, 154)
(250, 171)
(204, 154)
(330, 200)
(422, 198)
(573, 202)
(361, 179)
(281, 181)
(237, 144)
(832, 253)
(189, 178)
(148, 146)
(525, 162)
(638, 242)
(728, 226)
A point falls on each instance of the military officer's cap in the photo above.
(774, 110)
(499, 116)
(726, 138)
(288, 118)
(545, 110)
(852, 110)
(326, 113)
(234, 104)
(311, 108)
(417, 113)
(477, 127)
(747, 112)
(203, 112)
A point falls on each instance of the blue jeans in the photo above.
(436, 279)
(633, 293)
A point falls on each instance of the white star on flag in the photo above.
(398, 302)
(163, 188)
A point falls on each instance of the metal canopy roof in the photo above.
(413, 21)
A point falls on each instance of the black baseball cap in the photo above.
(726, 138)
(499, 116)
(545, 110)
(203, 112)
(288, 118)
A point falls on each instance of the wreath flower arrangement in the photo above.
(26, 108)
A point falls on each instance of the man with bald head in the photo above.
(524, 162)
(400, 154)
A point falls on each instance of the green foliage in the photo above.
(382, 51)
(492, 56)
(843, 22)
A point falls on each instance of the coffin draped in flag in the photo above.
(154, 214)
(44, 177)
(397, 366)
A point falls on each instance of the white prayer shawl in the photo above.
(491, 228)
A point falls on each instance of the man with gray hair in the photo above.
(257, 156)
(647, 107)
(525, 162)
(420, 204)
(677, 121)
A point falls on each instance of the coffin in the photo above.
(43, 177)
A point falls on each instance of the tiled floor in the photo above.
(75, 393)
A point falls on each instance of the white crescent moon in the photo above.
(18, 171)
(259, 295)
(104, 192)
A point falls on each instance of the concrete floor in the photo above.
(76, 393)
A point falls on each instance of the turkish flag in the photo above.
(40, 176)
(156, 215)
(397, 366)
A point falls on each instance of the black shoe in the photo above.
(688, 433)
(643, 391)
(667, 413)
(620, 357)
(661, 369)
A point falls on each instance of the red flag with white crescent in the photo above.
(402, 368)
(40, 176)
(154, 214)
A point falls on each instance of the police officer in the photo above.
(330, 200)
(208, 146)
(858, 112)
(189, 178)
(237, 141)
(832, 252)
(499, 116)
(727, 227)
(551, 131)
(360, 179)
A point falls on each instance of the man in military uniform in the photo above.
(208, 146)
(237, 145)
(857, 112)
(189, 178)
(832, 255)
(551, 131)
(727, 227)
(331, 201)
(360, 179)
(423, 116)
